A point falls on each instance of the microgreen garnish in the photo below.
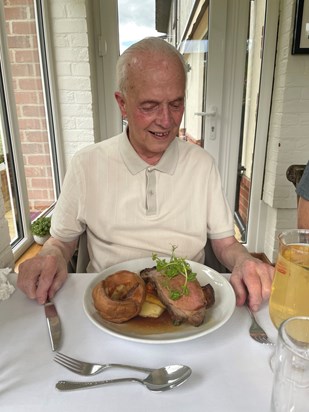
(176, 266)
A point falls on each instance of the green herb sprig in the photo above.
(176, 266)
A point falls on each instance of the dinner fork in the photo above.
(89, 369)
(257, 332)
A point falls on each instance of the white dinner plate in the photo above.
(216, 316)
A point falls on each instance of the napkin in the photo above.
(6, 289)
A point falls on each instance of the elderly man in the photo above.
(145, 190)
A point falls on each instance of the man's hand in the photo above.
(251, 278)
(42, 276)
(252, 281)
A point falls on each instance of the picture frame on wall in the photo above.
(301, 28)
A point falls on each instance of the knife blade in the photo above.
(53, 324)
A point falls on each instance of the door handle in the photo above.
(212, 113)
(212, 116)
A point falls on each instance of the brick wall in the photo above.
(244, 196)
(27, 85)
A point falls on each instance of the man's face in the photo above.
(153, 104)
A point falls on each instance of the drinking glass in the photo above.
(290, 391)
(290, 288)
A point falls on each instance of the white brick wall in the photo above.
(70, 38)
(289, 130)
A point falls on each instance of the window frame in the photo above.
(257, 221)
(10, 122)
(106, 46)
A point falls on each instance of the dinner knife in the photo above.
(53, 324)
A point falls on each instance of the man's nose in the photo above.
(164, 118)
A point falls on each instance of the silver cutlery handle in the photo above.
(131, 367)
(251, 313)
(73, 385)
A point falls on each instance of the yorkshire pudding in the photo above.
(120, 296)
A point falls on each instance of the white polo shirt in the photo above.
(131, 209)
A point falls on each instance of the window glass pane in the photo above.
(7, 176)
(136, 21)
(194, 48)
(31, 108)
(249, 116)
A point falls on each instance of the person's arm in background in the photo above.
(302, 191)
(303, 213)
(43, 275)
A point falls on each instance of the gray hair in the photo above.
(146, 45)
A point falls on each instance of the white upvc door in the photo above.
(257, 212)
(228, 28)
(241, 52)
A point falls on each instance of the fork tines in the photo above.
(257, 332)
(70, 363)
(261, 338)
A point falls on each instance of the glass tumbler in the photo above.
(290, 391)
(290, 288)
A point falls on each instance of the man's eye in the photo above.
(176, 105)
(149, 108)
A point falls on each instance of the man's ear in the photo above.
(121, 103)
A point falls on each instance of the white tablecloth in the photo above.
(231, 372)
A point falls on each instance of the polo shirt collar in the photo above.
(135, 164)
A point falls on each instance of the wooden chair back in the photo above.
(294, 174)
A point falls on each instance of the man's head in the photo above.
(151, 93)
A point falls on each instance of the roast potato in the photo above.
(152, 307)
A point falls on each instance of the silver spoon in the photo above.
(158, 380)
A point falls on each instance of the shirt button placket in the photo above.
(151, 200)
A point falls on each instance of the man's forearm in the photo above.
(230, 252)
(55, 247)
(303, 214)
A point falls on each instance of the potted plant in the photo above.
(40, 229)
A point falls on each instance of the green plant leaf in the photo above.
(41, 226)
